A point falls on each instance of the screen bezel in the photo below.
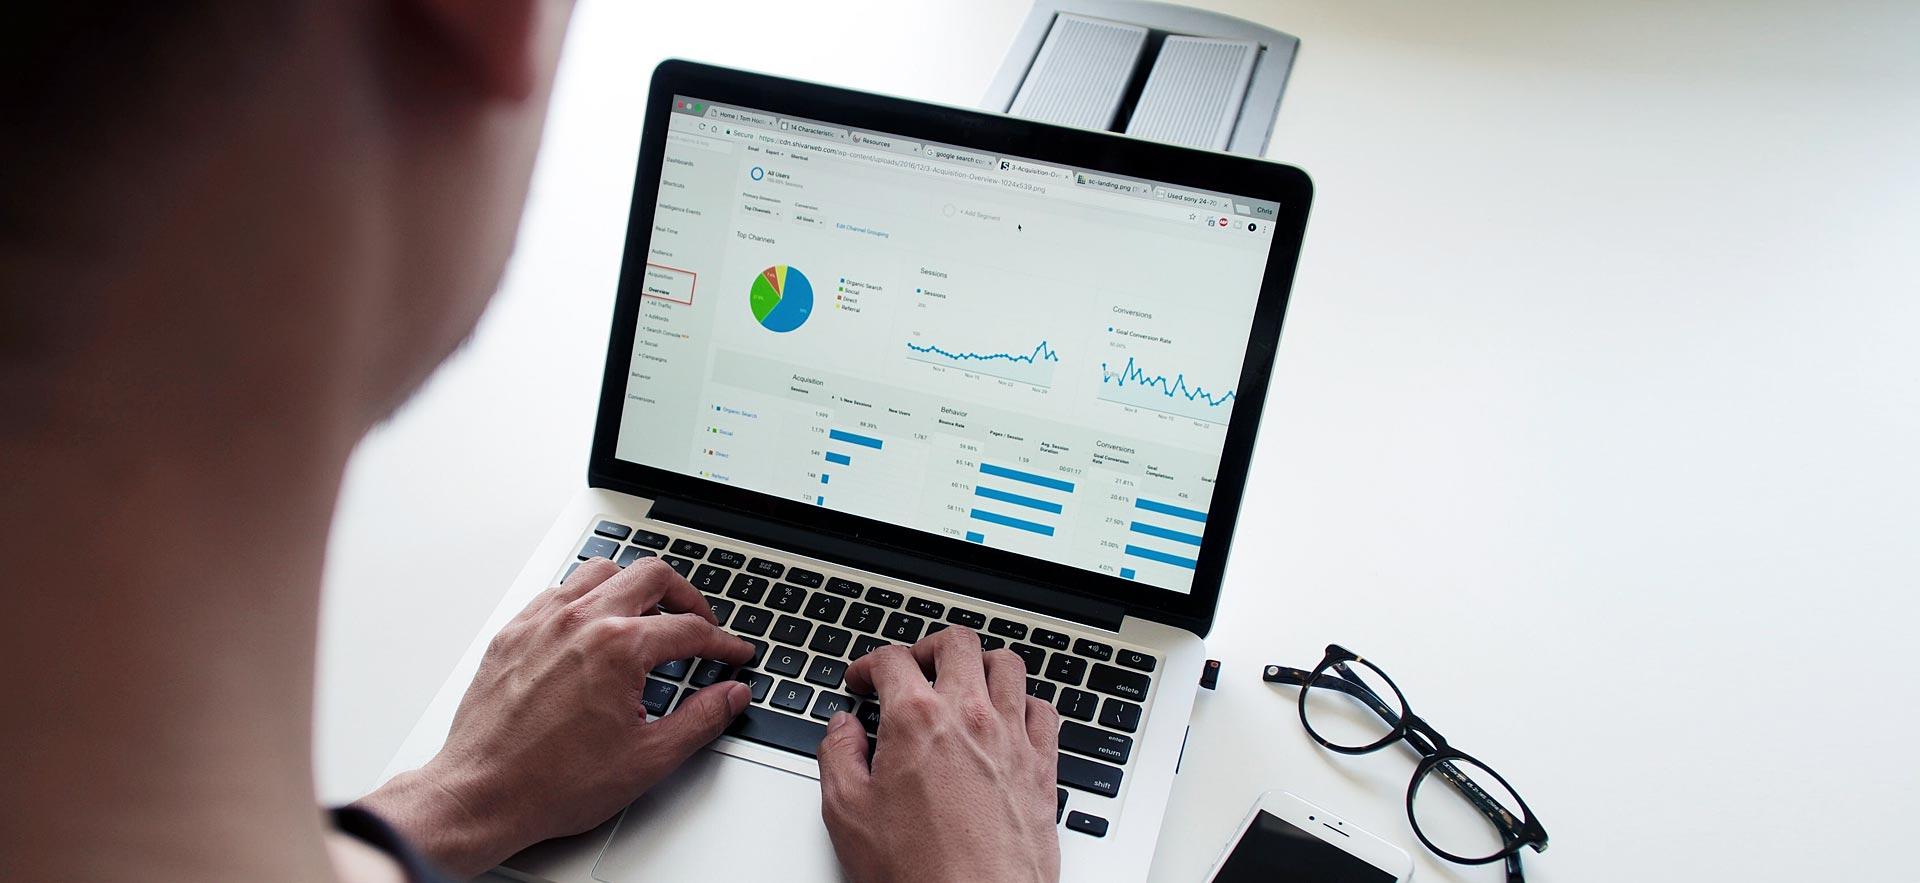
(1287, 186)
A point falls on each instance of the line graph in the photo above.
(1034, 367)
(1134, 386)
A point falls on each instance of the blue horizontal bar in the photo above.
(1162, 557)
(823, 478)
(1165, 534)
(852, 438)
(1016, 499)
(839, 459)
(974, 536)
(1170, 509)
(1126, 573)
(1045, 530)
(1028, 477)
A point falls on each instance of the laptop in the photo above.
(879, 368)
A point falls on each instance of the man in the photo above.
(236, 234)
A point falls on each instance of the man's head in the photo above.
(266, 211)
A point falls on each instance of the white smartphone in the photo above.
(1285, 839)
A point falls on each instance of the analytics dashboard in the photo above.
(1032, 357)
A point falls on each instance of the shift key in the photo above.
(1087, 775)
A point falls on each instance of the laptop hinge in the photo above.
(890, 561)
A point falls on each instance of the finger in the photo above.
(889, 673)
(682, 635)
(590, 573)
(954, 656)
(644, 585)
(699, 719)
(1007, 683)
(1043, 726)
(844, 773)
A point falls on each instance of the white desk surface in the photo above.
(1595, 419)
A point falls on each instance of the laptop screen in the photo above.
(1029, 356)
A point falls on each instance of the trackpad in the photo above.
(722, 814)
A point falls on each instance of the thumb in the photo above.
(844, 774)
(701, 718)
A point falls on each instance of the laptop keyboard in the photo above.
(807, 626)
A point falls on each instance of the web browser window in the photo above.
(1020, 354)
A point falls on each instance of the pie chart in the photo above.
(782, 298)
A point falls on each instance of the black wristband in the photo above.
(371, 830)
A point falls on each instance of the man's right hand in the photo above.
(961, 785)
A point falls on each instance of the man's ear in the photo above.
(498, 41)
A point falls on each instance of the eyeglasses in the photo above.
(1460, 808)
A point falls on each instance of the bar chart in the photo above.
(1017, 499)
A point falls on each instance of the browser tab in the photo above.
(952, 154)
(745, 117)
(1023, 167)
(1116, 185)
(884, 142)
(1187, 197)
(815, 129)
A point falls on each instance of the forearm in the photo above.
(433, 819)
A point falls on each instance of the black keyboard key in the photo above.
(869, 715)
(726, 557)
(710, 579)
(747, 587)
(787, 598)
(657, 696)
(845, 587)
(1033, 656)
(792, 697)
(1116, 682)
(1086, 824)
(1134, 659)
(1088, 775)
(644, 537)
(991, 642)
(722, 608)
(1095, 649)
(599, 547)
(791, 630)
(1040, 689)
(1120, 715)
(786, 661)
(863, 618)
(1066, 668)
(865, 644)
(1060, 806)
(1007, 628)
(769, 727)
(926, 608)
(934, 628)
(1077, 704)
(830, 704)
(753, 620)
(710, 672)
(757, 681)
(968, 618)
(1049, 639)
(825, 607)
(680, 565)
(830, 640)
(689, 548)
(673, 669)
(826, 672)
(802, 577)
(759, 651)
(903, 627)
(570, 569)
(768, 569)
(631, 554)
(885, 597)
(613, 529)
(1082, 739)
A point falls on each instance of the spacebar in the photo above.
(769, 727)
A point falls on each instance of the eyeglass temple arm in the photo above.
(1352, 686)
